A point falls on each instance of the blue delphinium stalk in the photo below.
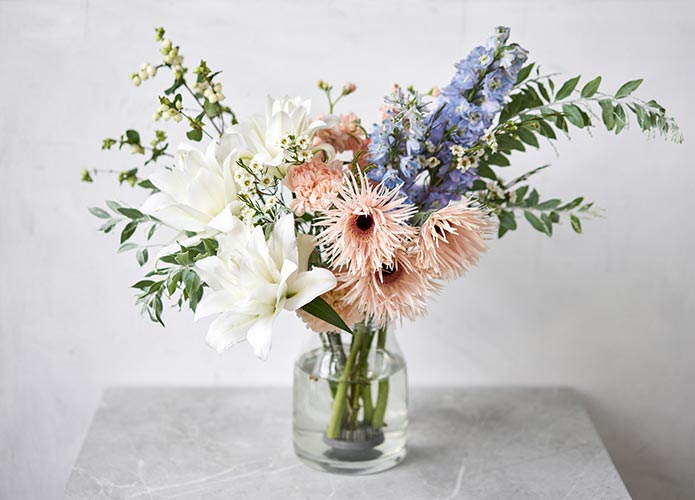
(412, 146)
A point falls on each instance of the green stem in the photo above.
(383, 396)
(340, 399)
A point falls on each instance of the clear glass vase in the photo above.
(351, 402)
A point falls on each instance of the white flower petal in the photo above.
(216, 302)
(260, 336)
(305, 245)
(282, 244)
(307, 286)
(227, 330)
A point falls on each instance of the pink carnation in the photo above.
(347, 135)
(314, 184)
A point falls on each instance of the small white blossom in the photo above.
(267, 180)
(248, 214)
(457, 150)
(270, 203)
(136, 79)
(433, 162)
(491, 140)
(495, 189)
(255, 165)
(303, 142)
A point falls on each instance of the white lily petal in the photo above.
(227, 330)
(307, 286)
(305, 245)
(216, 302)
(260, 335)
(282, 244)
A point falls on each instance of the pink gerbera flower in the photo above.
(451, 240)
(392, 292)
(365, 227)
(314, 184)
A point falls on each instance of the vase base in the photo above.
(350, 460)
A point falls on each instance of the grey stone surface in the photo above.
(231, 443)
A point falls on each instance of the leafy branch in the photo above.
(177, 276)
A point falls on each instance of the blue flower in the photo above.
(411, 147)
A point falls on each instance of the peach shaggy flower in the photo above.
(347, 135)
(314, 183)
(336, 298)
(365, 227)
(392, 292)
(451, 240)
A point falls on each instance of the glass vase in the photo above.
(350, 402)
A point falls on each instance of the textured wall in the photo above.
(610, 313)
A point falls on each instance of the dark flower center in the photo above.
(364, 222)
(389, 274)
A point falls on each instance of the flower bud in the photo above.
(349, 88)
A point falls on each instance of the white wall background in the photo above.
(609, 313)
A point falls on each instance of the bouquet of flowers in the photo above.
(353, 227)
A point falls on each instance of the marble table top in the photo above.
(236, 444)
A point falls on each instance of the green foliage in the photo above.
(567, 88)
(176, 279)
(116, 214)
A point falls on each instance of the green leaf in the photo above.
(150, 233)
(545, 218)
(532, 199)
(195, 134)
(113, 205)
(628, 88)
(543, 91)
(507, 220)
(573, 114)
(142, 284)
(142, 256)
(131, 213)
(99, 212)
(132, 136)
(487, 172)
(591, 88)
(498, 159)
(191, 282)
(607, 113)
(108, 226)
(501, 231)
(576, 224)
(546, 130)
(146, 184)
(127, 246)
(620, 118)
(549, 204)
(560, 122)
(567, 88)
(524, 73)
(536, 222)
(573, 204)
(520, 193)
(323, 310)
(128, 231)
(528, 137)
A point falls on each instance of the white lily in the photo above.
(199, 193)
(262, 134)
(252, 280)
